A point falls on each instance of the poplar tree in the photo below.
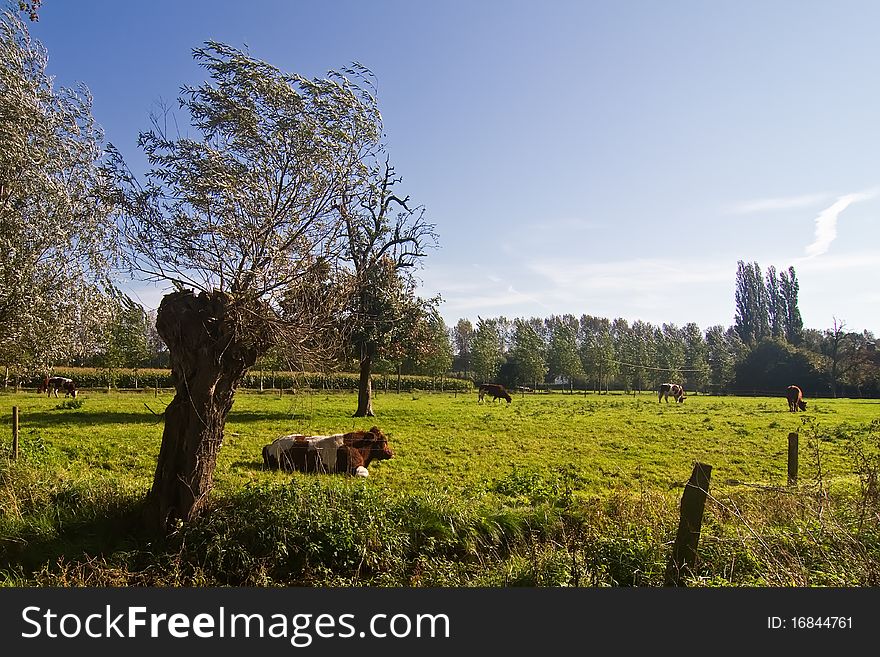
(752, 314)
(486, 356)
(793, 325)
(527, 353)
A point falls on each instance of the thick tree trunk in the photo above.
(365, 386)
(210, 353)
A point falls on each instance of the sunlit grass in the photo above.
(455, 443)
(550, 490)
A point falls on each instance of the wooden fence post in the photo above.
(14, 432)
(792, 458)
(693, 501)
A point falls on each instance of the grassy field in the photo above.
(454, 457)
(457, 443)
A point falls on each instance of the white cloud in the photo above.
(658, 290)
(464, 291)
(630, 275)
(826, 222)
(148, 294)
(834, 263)
(782, 203)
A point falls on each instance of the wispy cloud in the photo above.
(475, 288)
(638, 275)
(826, 222)
(866, 260)
(697, 288)
(782, 203)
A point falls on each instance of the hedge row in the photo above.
(87, 377)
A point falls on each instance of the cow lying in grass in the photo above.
(345, 453)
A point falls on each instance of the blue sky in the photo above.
(608, 158)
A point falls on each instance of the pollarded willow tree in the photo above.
(244, 222)
(56, 235)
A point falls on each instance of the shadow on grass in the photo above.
(250, 465)
(121, 533)
(53, 417)
(262, 416)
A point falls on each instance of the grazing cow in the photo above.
(348, 453)
(673, 389)
(496, 391)
(795, 398)
(55, 383)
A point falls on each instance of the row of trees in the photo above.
(602, 354)
(595, 351)
(587, 352)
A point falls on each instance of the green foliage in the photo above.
(562, 352)
(527, 354)
(774, 365)
(752, 308)
(70, 404)
(56, 237)
(486, 356)
(767, 307)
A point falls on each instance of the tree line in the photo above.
(766, 349)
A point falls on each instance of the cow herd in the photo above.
(793, 394)
(351, 453)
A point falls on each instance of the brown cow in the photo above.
(495, 390)
(795, 398)
(673, 389)
(348, 453)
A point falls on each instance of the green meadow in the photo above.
(457, 443)
(491, 485)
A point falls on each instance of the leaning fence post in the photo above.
(14, 432)
(792, 458)
(693, 501)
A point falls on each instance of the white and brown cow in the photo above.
(346, 453)
(673, 389)
(52, 384)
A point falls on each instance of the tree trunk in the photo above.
(365, 386)
(210, 353)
